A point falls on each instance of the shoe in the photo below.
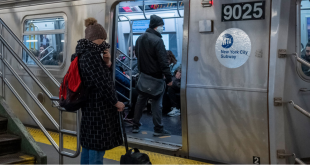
(135, 129)
(174, 112)
(162, 133)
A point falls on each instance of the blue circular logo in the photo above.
(228, 41)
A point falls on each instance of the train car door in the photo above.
(131, 20)
(227, 81)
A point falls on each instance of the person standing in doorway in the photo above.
(152, 61)
(100, 126)
(45, 41)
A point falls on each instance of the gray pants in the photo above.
(157, 107)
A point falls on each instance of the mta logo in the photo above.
(228, 41)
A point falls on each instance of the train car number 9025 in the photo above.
(243, 11)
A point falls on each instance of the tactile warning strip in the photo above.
(114, 154)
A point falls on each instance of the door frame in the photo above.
(111, 27)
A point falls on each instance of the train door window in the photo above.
(45, 38)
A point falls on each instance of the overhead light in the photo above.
(31, 40)
(62, 40)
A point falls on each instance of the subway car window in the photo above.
(47, 47)
(305, 36)
(44, 24)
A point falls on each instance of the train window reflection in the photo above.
(44, 24)
(48, 47)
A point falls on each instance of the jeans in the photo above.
(91, 156)
(156, 111)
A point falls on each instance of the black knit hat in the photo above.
(156, 21)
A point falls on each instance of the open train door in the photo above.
(126, 21)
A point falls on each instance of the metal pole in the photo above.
(298, 108)
(144, 10)
(179, 8)
(60, 138)
(299, 161)
(3, 67)
(131, 53)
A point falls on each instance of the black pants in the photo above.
(174, 97)
(134, 97)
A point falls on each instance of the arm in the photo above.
(99, 80)
(161, 54)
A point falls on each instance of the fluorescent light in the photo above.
(31, 40)
(62, 40)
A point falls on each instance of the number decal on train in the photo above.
(243, 11)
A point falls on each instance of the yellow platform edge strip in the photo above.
(113, 154)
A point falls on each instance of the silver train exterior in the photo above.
(228, 115)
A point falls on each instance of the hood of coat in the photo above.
(149, 30)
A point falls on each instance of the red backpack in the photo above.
(72, 94)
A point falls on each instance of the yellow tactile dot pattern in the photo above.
(113, 154)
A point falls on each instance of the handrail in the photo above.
(5, 63)
(298, 108)
(31, 93)
(123, 53)
(122, 74)
(178, 8)
(122, 85)
(123, 64)
(131, 55)
(38, 82)
(301, 60)
(282, 155)
(143, 10)
(47, 55)
(31, 55)
(123, 96)
(32, 115)
(299, 161)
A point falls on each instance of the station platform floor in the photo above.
(113, 156)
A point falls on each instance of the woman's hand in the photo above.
(107, 58)
(120, 106)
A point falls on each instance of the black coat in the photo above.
(152, 55)
(100, 126)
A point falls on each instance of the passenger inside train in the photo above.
(306, 56)
(49, 45)
(172, 38)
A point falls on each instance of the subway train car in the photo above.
(245, 71)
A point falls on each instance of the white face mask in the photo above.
(160, 29)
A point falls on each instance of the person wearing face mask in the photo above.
(152, 61)
(100, 125)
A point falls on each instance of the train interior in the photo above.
(133, 20)
(305, 36)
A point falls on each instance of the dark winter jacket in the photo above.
(152, 55)
(134, 67)
(176, 85)
(100, 127)
(305, 68)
